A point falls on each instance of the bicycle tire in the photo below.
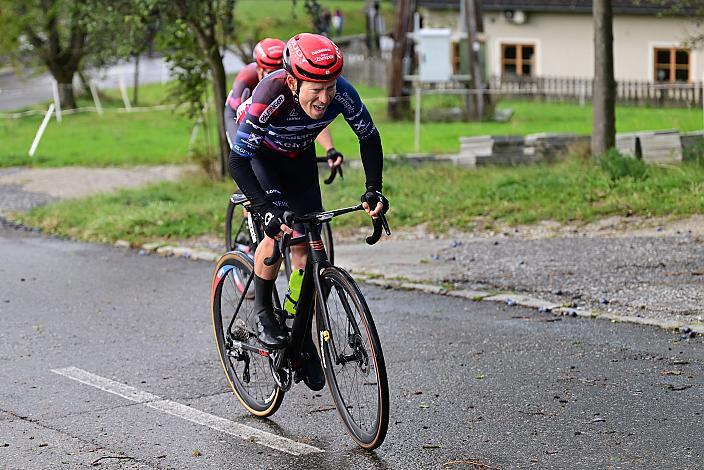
(367, 422)
(229, 238)
(325, 236)
(241, 236)
(248, 374)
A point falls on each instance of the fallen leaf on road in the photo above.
(432, 446)
(671, 372)
(677, 388)
(323, 408)
(473, 463)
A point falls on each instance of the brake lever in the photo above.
(385, 224)
(275, 255)
(374, 237)
(280, 246)
(331, 178)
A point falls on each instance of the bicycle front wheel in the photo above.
(234, 324)
(352, 358)
(326, 236)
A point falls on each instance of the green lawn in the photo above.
(281, 19)
(114, 139)
(158, 137)
(443, 196)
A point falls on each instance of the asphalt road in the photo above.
(473, 385)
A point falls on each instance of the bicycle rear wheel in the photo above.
(234, 324)
(235, 234)
(352, 358)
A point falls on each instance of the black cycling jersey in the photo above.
(271, 123)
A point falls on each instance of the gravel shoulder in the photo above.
(642, 268)
(22, 188)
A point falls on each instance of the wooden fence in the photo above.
(580, 89)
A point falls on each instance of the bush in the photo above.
(617, 166)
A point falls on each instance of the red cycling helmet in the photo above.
(269, 53)
(312, 58)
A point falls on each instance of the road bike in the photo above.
(247, 233)
(348, 343)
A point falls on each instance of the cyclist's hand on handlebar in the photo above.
(334, 158)
(374, 202)
(274, 223)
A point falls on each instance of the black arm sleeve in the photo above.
(243, 174)
(372, 159)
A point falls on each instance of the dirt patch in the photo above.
(610, 227)
(77, 182)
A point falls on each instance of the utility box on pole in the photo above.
(434, 50)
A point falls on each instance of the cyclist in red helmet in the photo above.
(273, 162)
(268, 57)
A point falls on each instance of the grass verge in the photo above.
(441, 196)
(161, 137)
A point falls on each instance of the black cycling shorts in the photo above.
(290, 183)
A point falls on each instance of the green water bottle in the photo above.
(294, 291)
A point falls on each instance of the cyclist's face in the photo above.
(315, 98)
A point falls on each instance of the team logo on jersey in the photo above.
(268, 217)
(346, 101)
(271, 108)
(241, 151)
(254, 139)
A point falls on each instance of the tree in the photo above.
(197, 33)
(399, 104)
(67, 36)
(55, 33)
(604, 95)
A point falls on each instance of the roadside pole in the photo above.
(57, 99)
(123, 92)
(96, 98)
(417, 119)
(41, 129)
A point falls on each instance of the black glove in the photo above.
(273, 218)
(332, 156)
(372, 196)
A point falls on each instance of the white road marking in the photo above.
(186, 412)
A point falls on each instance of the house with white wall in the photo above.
(653, 39)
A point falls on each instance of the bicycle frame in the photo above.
(311, 285)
